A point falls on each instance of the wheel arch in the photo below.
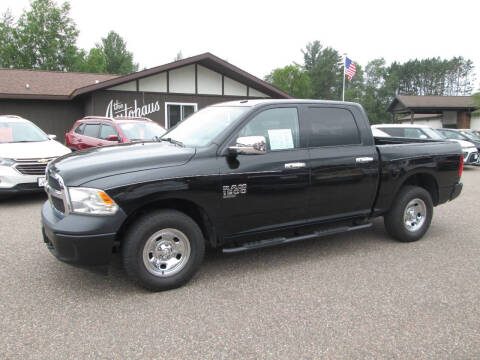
(424, 180)
(190, 208)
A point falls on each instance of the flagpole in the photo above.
(344, 63)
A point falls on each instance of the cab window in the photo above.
(279, 127)
(332, 127)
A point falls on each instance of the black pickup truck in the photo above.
(238, 176)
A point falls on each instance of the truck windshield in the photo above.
(202, 127)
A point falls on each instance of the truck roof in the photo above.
(256, 102)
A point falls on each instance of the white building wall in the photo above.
(232, 87)
(130, 86)
(255, 93)
(154, 83)
(475, 121)
(208, 81)
(182, 80)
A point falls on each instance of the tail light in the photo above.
(460, 169)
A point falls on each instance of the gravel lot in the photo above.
(357, 295)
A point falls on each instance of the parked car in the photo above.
(461, 134)
(239, 176)
(93, 131)
(379, 133)
(25, 151)
(415, 131)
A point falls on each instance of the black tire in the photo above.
(143, 231)
(394, 220)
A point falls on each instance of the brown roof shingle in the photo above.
(436, 101)
(68, 85)
(45, 84)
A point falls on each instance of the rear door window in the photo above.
(332, 127)
(107, 130)
(91, 130)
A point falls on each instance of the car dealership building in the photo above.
(167, 93)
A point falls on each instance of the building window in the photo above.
(176, 112)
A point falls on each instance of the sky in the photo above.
(259, 36)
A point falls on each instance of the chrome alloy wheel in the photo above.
(415, 214)
(166, 252)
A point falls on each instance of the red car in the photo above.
(92, 131)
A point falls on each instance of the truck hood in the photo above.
(87, 165)
(33, 150)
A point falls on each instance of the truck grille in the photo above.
(32, 166)
(56, 191)
(58, 204)
(52, 182)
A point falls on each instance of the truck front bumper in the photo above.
(80, 239)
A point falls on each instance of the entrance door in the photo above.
(176, 112)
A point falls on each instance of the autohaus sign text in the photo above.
(117, 108)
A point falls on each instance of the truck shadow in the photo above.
(220, 268)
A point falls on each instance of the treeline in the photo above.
(321, 76)
(44, 37)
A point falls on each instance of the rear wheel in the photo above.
(163, 250)
(411, 214)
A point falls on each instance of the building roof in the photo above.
(430, 104)
(57, 85)
(208, 60)
(44, 85)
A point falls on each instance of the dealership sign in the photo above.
(117, 108)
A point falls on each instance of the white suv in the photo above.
(469, 150)
(25, 151)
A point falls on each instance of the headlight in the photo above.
(6, 162)
(91, 201)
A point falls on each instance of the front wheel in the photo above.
(411, 214)
(163, 250)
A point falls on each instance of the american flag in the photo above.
(350, 68)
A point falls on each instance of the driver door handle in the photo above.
(295, 165)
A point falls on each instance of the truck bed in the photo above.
(400, 158)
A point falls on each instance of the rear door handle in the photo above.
(363, 160)
(295, 165)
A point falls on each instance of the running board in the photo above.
(284, 240)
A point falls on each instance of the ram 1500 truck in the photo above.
(238, 176)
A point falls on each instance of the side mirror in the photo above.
(249, 145)
(423, 137)
(52, 136)
(112, 138)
